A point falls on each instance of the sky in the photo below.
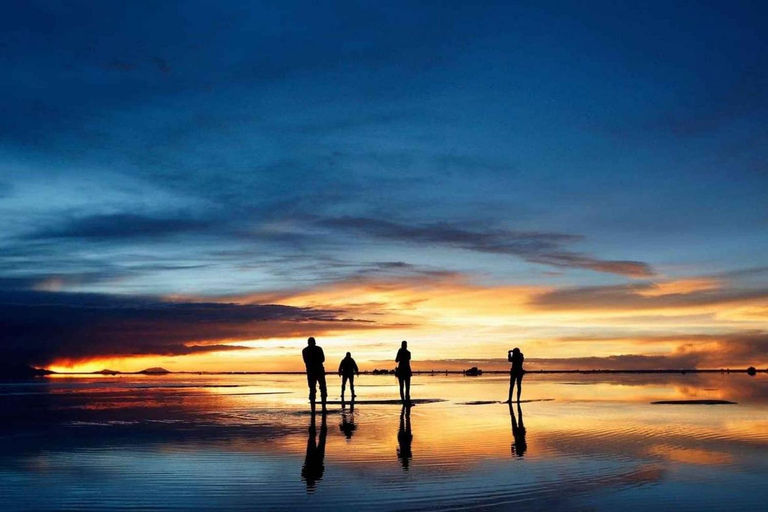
(201, 186)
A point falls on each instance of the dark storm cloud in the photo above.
(536, 247)
(41, 327)
(631, 297)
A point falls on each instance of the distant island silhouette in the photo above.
(20, 371)
(148, 371)
(155, 371)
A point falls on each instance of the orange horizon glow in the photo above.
(450, 321)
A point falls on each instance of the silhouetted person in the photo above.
(404, 438)
(518, 432)
(313, 360)
(516, 372)
(347, 425)
(347, 371)
(403, 372)
(314, 462)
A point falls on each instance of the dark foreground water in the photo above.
(248, 442)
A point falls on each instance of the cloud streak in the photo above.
(121, 226)
(536, 247)
(641, 296)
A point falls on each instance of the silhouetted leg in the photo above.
(402, 395)
(408, 389)
(323, 389)
(519, 387)
(311, 382)
(352, 386)
(511, 387)
(343, 386)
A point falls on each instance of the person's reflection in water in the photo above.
(314, 462)
(404, 437)
(519, 446)
(347, 425)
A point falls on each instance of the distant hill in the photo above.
(107, 371)
(20, 371)
(154, 371)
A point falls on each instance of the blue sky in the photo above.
(191, 148)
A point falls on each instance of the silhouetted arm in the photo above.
(341, 366)
(321, 355)
(397, 358)
(357, 371)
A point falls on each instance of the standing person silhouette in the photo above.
(403, 372)
(313, 360)
(347, 370)
(516, 372)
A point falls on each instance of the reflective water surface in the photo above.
(189, 442)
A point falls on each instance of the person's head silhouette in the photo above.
(349, 355)
(404, 344)
(311, 341)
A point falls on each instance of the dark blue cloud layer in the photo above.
(41, 327)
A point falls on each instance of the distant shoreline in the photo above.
(429, 372)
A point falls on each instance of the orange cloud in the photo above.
(684, 323)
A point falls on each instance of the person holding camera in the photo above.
(516, 373)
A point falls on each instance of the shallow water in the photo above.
(189, 442)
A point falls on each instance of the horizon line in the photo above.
(417, 372)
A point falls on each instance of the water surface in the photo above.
(194, 442)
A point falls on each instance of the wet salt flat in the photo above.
(582, 442)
